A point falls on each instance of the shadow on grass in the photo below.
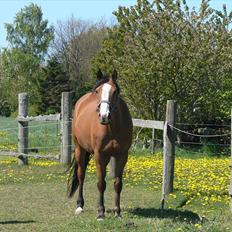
(16, 222)
(186, 216)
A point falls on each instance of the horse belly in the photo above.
(82, 135)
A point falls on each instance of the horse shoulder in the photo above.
(81, 104)
(82, 99)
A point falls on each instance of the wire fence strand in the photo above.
(202, 144)
(33, 126)
(202, 124)
(199, 135)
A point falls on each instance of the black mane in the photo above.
(102, 81)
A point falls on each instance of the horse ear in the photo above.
(114, 75)
(99, 74)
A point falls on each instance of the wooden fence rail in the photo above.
(45, 118)
(23, 156)
(159, 125)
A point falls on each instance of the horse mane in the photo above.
(104, 80)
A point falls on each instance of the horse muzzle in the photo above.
(105, 120)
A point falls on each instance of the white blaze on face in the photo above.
(104, 107)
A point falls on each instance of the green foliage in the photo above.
(51, 87)
(21, 64)
(29, 32)
(4, 108)
(163, 50)
(22, 73)
(76, 43)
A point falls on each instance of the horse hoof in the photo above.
(118, 216)
(100, 218)
(78, 211)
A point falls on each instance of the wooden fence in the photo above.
(66, 142)
(64, 118)
(23, 127)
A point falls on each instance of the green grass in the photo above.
(33, 198)
(45, 136)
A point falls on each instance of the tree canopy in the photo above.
(52, 86)
(30, 32)
(76, 43)
(164, 50)
(29, 37)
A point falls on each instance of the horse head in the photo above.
(107, 91)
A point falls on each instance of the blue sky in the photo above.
(94, 10)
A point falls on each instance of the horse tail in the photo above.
(73, 181)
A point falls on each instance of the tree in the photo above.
(76, 43)
(29, 32)
(29, 37)
(4, 106)
(163, 50)
(21, 73)
(54, 83)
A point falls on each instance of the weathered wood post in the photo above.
(66, 117)
(153, 141)
(230, 187)
(22, 128)
(169, 149)
(112, 167)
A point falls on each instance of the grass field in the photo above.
(33, 197)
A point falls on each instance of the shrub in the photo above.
(4, 108)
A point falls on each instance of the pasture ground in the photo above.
(33, 198)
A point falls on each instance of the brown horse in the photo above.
(101, 126)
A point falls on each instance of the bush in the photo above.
(4, 108)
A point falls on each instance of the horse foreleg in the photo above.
(118, 189)
(101, 185)
(119, 167)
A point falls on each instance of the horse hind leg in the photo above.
(82, 158)
(120, 162)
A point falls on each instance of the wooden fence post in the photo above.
(230, 187)
(169, 148)
(23, 128)
(66, 138)
(112, 167)
(153, 141)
